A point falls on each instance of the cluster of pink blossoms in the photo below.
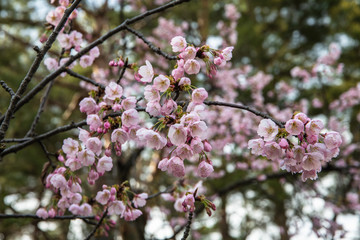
(67, 41)
(300, 147)
(109, 112)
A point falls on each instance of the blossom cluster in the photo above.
(111, 113)
(300, 147)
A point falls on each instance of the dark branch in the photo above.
(97, 226)
(65, 217)
(150, 45)
(247, 108)
(40, 110)
(85, 50)
(86, 79)
(34, 67)
(169, 190)
(122, 71)
(7, 88)
(188, 225)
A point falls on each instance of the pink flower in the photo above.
(177, 134)
(196, 145)
(294, 126)
(58, 181)
(312, 161)
(86, 61)
(204, 169)
(51, 64)
(178, 43)
(198, 129)
(146, 72)
(188, 53)
(153, 108)
(192, 66)
(86, 157)
(184, 151)
(116, 208)
(94, 52)
(177, 73)
(105, 164)
(227, 53)
(272, 151)
(85, 209)
(283, 143)
(139, 200)
(75, 209)
(332, 140)
(65, 41)
(314, 127)
(119, 136)
(88, 105)
(176, 167)
(83, 135)
(113, 91)
(132, 214)
(94, 144)
(73, 164)
(42, 213)
(161, 83)
(155, 140)
(93, 121)
(302, 117)
(52, 213)
(199, 95)
(189, 203)
(184, 81)
(70, 147)
(151, 94)
(267, 129)
(169, 106)
(130, 118)
(103, 197)
(53, 17)
(128, 103)
(163, 164)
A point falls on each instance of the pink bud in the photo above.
(107, 125)
(113, 191)
(108, 152)
(284, 143)
(120, 63)
(207, 146)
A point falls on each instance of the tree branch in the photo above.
(247, 108)
(150, 45)
(65, 217)
(122, 71)
(95, 43)
(34, 67)
(188, 225)
(86, 79)
(97, 225)
(7, 88)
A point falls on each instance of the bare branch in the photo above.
(34, 67)
(95, 43)
(169, 190)
(247, 108)
(40, 110)
(97, 226)
(7, 88)
(188, 225)
(65, 217)
(150, 45)
(86, 79)
(122, 71)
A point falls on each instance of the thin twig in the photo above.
(97, 225)
(85, 50)
(122, 71)
(65, 217)
(86, 79)
(40, 110)
(33, 69)
(169, 190)
(188, 226)
(7, 88)
(150, 45)
(43, 147)
(247, 108)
